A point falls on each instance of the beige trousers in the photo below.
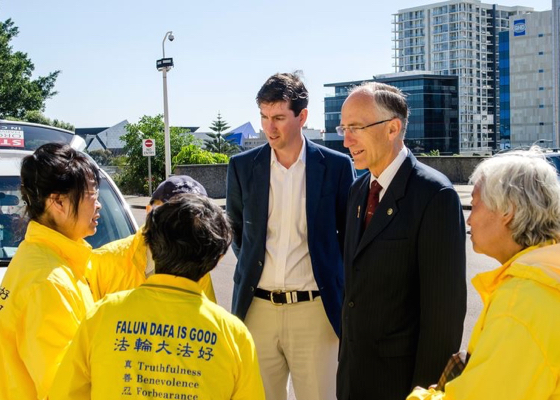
(295, 339)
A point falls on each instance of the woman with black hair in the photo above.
(52, 280)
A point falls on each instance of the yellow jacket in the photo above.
(515, 344)
(164, 339)
(48, 288)
(120, 265)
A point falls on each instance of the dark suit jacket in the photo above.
(405, 288)
(329, 175)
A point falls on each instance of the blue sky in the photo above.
(223, 52)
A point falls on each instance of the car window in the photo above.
(555, 161)
(29, 137)
(114, 221)
(12, 220)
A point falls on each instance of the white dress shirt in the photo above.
(287, 263)
(389, 173)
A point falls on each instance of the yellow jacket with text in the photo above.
(164, 339)
(515, 344)
(48, 288)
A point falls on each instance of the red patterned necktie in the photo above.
(372, 201)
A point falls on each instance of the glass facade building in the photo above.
(433, 101)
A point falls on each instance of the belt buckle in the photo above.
(272, 293)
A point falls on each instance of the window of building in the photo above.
(541, 71)
(541, 53)
(541, 105)
(541, 123)
(541, 88)
(541, 34)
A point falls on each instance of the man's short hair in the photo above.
(176, 184)
(524, 183)
(187, 236)
(389, 100)
(285, 87)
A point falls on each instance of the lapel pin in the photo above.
(358, 216)
(390, 211)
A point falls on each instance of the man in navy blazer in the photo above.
(405, 288)
(287, 204)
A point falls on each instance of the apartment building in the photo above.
(459, 37)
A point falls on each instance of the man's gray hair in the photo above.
(389, 100)
(524, 183)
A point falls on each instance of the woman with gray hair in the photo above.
(515, 345)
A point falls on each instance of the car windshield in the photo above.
(17, 136)
(113, 222)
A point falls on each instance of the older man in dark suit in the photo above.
(404, 260)
(287, 204)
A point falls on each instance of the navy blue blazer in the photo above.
(329, 175)
(405, 287)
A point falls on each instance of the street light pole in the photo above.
(166, 128)
(164, 65)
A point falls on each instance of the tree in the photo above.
(101, 156)
(219, 141)
(134, 179)
(18, 92)
(39, 118)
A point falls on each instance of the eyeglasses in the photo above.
(354, 130)
(94, 193)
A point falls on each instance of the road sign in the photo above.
(148, 147)
(164, 63)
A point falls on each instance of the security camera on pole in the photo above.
(164, 65)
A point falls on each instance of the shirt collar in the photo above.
(76, 253)
(301, 157)
(172, 282)
(389, 173)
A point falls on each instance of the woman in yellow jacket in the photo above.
(515, 345)
(55, 276)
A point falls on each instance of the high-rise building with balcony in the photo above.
(459, 37)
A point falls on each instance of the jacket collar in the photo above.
(314, 171)
(387, 208)
(176, 283)
(76, 253)
(487, 282)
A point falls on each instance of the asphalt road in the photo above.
(222, 278)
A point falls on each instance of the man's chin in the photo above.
(274, 143)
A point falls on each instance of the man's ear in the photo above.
(303, 117)
(395, 126)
